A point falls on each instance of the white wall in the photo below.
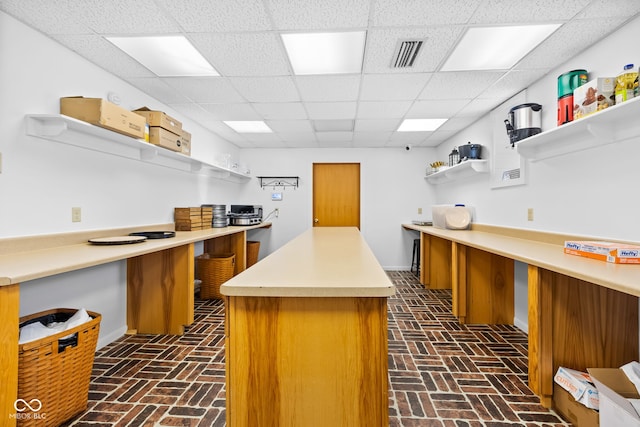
(392, 189)
(589, 193)
(40, 180)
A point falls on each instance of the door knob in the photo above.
(315, 221)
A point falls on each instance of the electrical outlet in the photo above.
(277, 211)
(76, 214)
(530, 214)
(419, 211)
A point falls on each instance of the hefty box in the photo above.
(579, 385)
(618, 253)
(616, 396)
(160, 119)
(165, 139)
(593, 96)
(100, 112)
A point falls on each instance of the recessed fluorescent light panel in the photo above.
(420, 125)
(496, 48)
(325, 53)
(248, 126)
(166, 56)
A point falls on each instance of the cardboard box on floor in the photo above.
(573, 411)
(614, 388)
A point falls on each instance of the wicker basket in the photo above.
(213, 270)
(56, 370)
(253, 249)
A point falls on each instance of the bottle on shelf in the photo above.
(625, 84)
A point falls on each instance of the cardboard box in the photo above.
(578, 384)
(160, 119)
(618, 253)
(100, 112)
(185, 138)
(615, 389)
(165, 139)
(593, 96)
(573, 411)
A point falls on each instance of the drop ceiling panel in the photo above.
(389, 87)
(158, 89)
(205, 89)
(331, 110)
(459, 84)
(290, 126)
(243, 54)
(382, 109)
(334, 136)
(522, 11)
(266, 89)
(378, 139)
(281, 110)
(381, 45)
(196, 16)
(370, 125)
(401, 13)
(45, 15)
(509, 84)
(320, 14)
(607, 9)
(434, 109)
(328, 88)
(231, 111)
(301, 137)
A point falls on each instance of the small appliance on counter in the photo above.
(524, 121)
(469, 151)
(245, 215)
(452, 217)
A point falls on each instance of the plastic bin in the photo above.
(54, 372)
(213, 270)
(253, 249)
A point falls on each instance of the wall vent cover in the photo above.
(406, 53)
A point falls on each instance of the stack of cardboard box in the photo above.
(188, 219)
(164, 130)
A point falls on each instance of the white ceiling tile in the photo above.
(331, 110)
(437, 138)
(121, 17)
(479, 107)
(205, 89)
(195, 16)
(251, 54)
(457, 123)
(392, 87)
(266, 89)
(401, 13)
(290, 126)
(104, 54)
(408, 137)
(381, 45)
(319, 15)
(300, 137)
(610, 8)
(281, 110)
(512, 83)
(335, 144)
(459, 84)
(270, 138)
(328, 88)
(231, 111)
(364, 136)
(222, 130)
(371, 125)
(521, 11)
(381, 110)
(443, 108)
(45, 15)
(193, 111)
(158, 89)
(334, 136)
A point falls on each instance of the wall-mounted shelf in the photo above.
(614, 124)
(459, 171)
(279, 181)
(67, 130)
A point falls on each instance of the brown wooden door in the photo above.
(336, 195)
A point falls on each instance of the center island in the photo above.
(306, 335)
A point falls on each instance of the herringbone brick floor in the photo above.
(441, 373)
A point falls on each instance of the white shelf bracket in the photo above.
(45, 128)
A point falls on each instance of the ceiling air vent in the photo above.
(406, 53)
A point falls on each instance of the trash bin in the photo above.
(54, 372)
(213, 270)
(253, 249)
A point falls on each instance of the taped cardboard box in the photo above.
(579, 385)
(571, 410)
(164, 138)
(615, 390)
(160, 119)
(100, 112)
(185, 138)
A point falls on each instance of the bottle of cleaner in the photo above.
(624, 84)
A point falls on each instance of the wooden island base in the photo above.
(307, 361)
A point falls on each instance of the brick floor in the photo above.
(441, 373)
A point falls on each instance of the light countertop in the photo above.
(34, 263)
(621, 277)
(321, 262)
